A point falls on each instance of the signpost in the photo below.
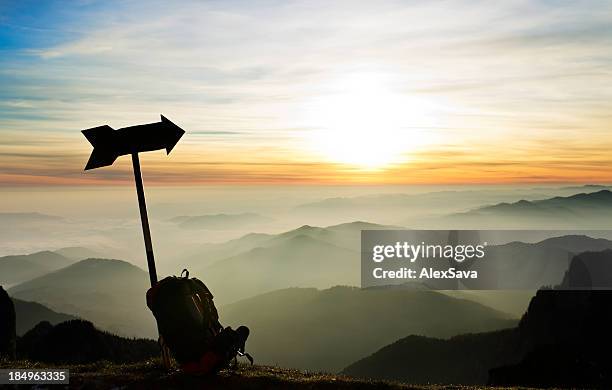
(109, 144)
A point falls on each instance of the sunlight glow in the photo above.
(364, 122)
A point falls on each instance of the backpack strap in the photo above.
(186, 272)
(246, 355)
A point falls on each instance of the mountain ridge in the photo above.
(19, 268)
(29, 314)
(357, 321)
(583, 210)
(108, 292)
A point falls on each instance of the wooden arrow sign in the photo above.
(109, 144)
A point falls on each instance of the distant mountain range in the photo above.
(346, 235)
(111, 293)
(322, 257)
(304, 327)
(305, 257)
(258, 263)
(15, 269)
(28, 314)
(518, 269)
(220, 221)
(584, 210)
(296, 261)
(425, 208)
(396, 209)
(520, 265)
(327, 329)
(579, 202)
(20, 268)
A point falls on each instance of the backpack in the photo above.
(188, 323)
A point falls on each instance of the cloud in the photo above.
(242, 72)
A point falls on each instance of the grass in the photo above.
(151, 375)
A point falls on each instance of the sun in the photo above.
(363, 122)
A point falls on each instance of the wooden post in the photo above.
(146, 231)
(144, 219)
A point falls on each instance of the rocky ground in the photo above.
(151, 375)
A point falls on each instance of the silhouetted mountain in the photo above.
(584, 201)
(300, 261)
(567, 334)
(562, 340)
(589, 270)
(462, 359)
(19, 268)
(585, 210)
(31, 313)
(111, 293)
(220, 221)
(327, 329)
(8, 334)
(80, 342)
(519, 265)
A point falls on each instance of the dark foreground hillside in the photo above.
(562, 340)
(150, 375)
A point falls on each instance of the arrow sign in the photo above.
(109, 143)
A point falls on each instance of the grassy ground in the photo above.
(151, 375)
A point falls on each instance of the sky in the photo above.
(310, 92)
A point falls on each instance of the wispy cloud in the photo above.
(239, 73)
